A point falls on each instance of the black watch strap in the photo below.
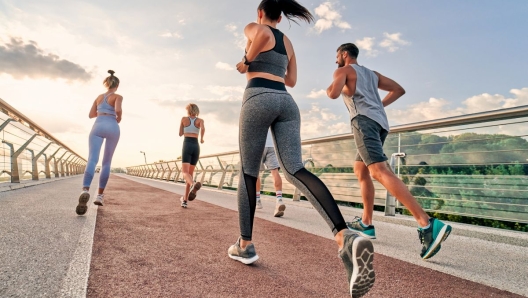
(246, 62)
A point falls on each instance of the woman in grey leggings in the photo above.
(270, 66)
(107, 109)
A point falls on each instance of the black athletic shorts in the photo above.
(369, 137)
(190, 151)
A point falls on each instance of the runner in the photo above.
(269, 159)
(107, 109)
(270, 65)
(359, 87)
(190, 128)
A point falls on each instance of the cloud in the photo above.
(436, 108)
(182, 22)
(224, 66)
(226, 90)
(20, 60)
(367, 44)
(240, 39)
(175, 35)
(392, 42)
(317, 93)
(318, 122)
(328, 18)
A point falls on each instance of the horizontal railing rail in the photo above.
(30, 152)
(469, 165)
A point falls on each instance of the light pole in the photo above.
(144, 155)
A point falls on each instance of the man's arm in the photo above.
(395, 90)
(202, 124)
(338, 84)
(181, 127)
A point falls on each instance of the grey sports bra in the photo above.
(274, 61)
(191, 128)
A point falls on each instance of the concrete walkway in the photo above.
(45, 248)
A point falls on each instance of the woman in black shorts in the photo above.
(190, 127)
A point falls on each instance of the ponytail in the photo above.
(111, 81)
(291, 9)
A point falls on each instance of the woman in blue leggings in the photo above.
(107, 109)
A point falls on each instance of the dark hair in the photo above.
(111, 81)
(291, 9)
(350, 48)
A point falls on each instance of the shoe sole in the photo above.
(246, 261)
(82, 207)
(98, 203)
(192, 193)
(435, 247)
(280, 211)
(363, 276)
(363, 234)
(184, 206)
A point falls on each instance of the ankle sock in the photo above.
(279, 195)
(426, 227)
(258, 196)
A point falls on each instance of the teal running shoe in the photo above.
(432, 237)
(356, 225)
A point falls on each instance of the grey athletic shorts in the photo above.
(269, 159)
(369, 137)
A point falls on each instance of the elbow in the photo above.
(332, 95)
(401, 91)
(290, 82)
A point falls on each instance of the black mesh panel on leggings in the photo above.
(321, 193)
(251, 188)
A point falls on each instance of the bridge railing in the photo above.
(472, 165)
(29, 152)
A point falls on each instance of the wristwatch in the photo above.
(246, 62)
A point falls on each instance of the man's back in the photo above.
(361, 96)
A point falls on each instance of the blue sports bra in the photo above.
(105, 107)
(274, 61)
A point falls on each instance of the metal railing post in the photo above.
(178, 172)
(35, 173)
(203, 172)
(224, 172)
(390, 201)
(15, 176)
(48, 171)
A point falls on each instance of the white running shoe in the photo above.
(99, 200)
(259, 204)
(279, 208)
(183, 203)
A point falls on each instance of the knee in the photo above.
(379, 171)
(362, 173)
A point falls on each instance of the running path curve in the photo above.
(145, 244)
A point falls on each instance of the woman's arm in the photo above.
(119, 108)
(181, 127)
(202, 126)
(258, 38)
(93, 110)
(291, 71)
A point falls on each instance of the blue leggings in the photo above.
(105, 127)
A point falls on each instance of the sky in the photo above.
(453, 57)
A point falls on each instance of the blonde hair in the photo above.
(192, 109)
(111, 81)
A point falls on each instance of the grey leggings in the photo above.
(268, 104)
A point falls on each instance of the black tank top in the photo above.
(274, 61)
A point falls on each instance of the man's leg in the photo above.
(399, 190)
(367, 191)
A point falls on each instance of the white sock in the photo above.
(258, 196)
(279, 195)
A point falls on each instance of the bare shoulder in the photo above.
(118, 96)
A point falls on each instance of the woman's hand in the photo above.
(241, 67)
(202, 141)
(118, 119)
